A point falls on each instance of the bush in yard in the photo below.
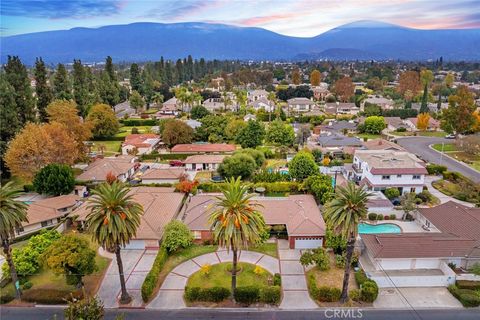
(372, 216)
(277, 279)
(466, 284)
(54, 179)
(257, 155)
(354, 294)
(435, 168)
(87, 309)
(187, 186)
(320, 185)
(392, 193)
(50, 296)
(214, 294)
(312, 286)
(239, 165)
(334, 241)
(468, 298)
(379, 217)
(270, 295)
(177, 236)
(368, 291)
(318, 257)
(393, 217)
(6, 297)
(247, 295)
(27, 285)
(360, 277)
(302, 166)
(328, 294)
(150, 282)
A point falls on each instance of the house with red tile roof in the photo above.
(298, 214)
(141, 143)
(203, 148)
(451, 236)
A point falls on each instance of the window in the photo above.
(416, 177)
(46, 223)
(412, 190)
(399, 175)
(385, 177)
(19, 230)
(197, 234)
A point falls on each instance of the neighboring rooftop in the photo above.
(203, 148)
(168, 173)
(338, 140)
(381, 144)
(49, 208)
(391, 162)
(99, 169)
(300, 101)
(299, 213)
(205, 158)
(141, 140)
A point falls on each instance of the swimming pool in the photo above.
(378, 228)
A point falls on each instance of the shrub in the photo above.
(151, 279)
(354, 294)
(312, 286)
(468, 298)
(360, 277)
(277, 279)
(177, 235)
(435, 168)
(320, 185)
(379, 217)
(372, 216)
(54, 179)
(187, 186)
(50, 296)
(393, 217)
(466, 284)
(214, 294)
(401, 129)
(88, 309)
(369, 291)
(340, 261)
(392, 193)
(247, 295)
(328, 294)
(270, 295)
(134, 130)
(27, 285)
(138, 122)
(206, 268)
(316, 256)
(258, 270)
(386, 217)
(6, 297)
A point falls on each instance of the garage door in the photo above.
(308, 243)
(135, 244)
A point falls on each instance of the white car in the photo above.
(450, 136)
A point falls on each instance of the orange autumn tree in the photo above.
(344, 89)
(476, 123)
(315, 78)
(409, 84)
(422, 121)
(186, 186)
(38, 145)
(110, 177)
(296, 77)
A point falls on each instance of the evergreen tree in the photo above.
(80, 88)
(110, 69)
(62, 89)
(109, 88)
(17, 77)
(43, 91)
(424, 105)
(135, 77)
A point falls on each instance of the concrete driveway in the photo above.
(421, 147)
(418, 298)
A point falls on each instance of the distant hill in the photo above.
(362, 40)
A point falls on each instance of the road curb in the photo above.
(446, 155)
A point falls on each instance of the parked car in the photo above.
(176, 163)
(450, 136)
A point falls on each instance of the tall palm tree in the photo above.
(235, 221)
(344, 213)
(12, 214)
(113, 221)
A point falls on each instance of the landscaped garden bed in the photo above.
(211, 286)
(455, 185)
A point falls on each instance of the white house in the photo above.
(254, 95)
(204, 162)
(380, 101)
(382, 169)
(143, 143)
(47, 212)
(214, 104)
(263, 103)
(300, 104)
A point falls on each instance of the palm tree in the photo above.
(343, 213)
(157, 98)
(235, 221)
(272, 99)
(113, 221)
(12, 214)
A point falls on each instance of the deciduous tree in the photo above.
(176, 132)
(409, 84)
(344, 89)
(374, 124)
(315, 78)
(296, 77)
(136, 101)
(458, 117)
(252, 135)
(302, 166)
(422, 121)
(239, 165)
(103, 121)
(280, 133)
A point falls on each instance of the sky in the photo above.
(302, 18)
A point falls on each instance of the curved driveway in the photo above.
(420, 147)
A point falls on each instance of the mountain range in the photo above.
(362, 40)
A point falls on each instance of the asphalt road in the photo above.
(49, 313)
(420, 147)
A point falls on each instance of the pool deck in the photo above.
(406, 226)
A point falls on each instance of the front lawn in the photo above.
(125, 131)
(438, 134)
(368, 136)
(266, 248)
(220, 276)
(333, 277)
(472, 160)
(111, 147)
(447, 147)
(462, 190)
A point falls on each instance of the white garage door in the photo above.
(308, 243)
(135, 244)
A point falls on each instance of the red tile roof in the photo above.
(139, 139)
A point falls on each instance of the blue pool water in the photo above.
(378, 228)
(28, 202)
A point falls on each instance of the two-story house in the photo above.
(300, 104)
(382, 169)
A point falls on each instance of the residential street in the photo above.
(420, 147)
(48, 313)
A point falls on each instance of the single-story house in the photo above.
(338, 143)
(213, 104)
(47, 212)
(203, 148)
(452, 236)
(394, 123)
(300, 104)
(433, 124)
(123, 109)
(200, 162)
(123, 167)
(160, 205)
(158, 175)
(170, 107)
(337, 127)
(143, 143)
(381, 144)
(298, 213)
(342, 108)
(263, 103)
(382, 102)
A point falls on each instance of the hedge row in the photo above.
(324, 294)
(270, 187)
(435, 169)
(468, 298)
(165, 156)
(151, 280)
(467, 284)
(138, 122)
(252, 294)
(215, 294)
(50, 296)
(109, 139)
(368, 288)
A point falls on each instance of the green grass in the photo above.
(219, 276)
(112, 147)
(448, 147)
(439, 134)
(266, 248)
(369, 136)
(125, 131)
(402, 134)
